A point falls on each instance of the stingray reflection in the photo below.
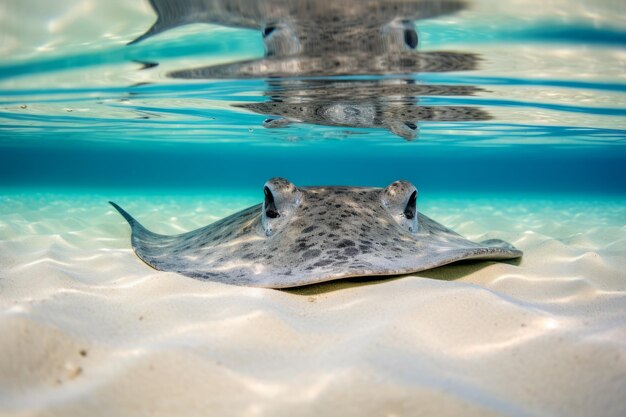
(305, 22)
(391, 104)
(319, 37)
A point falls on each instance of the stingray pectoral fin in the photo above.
(157, 251)
(496, 249)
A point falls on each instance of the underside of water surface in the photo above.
(491, 98)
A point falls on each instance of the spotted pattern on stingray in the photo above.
(305, 235)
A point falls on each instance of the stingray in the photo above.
(391, 104)
(318, 37)
(336, 64)
(302, 26)
(401, 119)
(306, 235)
(387, 104)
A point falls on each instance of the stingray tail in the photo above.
(136, 227)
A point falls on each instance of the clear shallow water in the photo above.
(90, 330)
(510, 123)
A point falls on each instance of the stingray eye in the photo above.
(269, 205)
(399, 35)
(268, 31)
(281, 39)
(411, 207)
(410, 38)
(400, 200)
(281, 199)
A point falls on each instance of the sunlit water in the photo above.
(518, 134)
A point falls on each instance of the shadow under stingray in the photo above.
(450, 272)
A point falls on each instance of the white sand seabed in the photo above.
(88, 329)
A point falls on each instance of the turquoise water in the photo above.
(508, 116)
(80, 109)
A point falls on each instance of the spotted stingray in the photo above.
(306, 235)
(318, 37)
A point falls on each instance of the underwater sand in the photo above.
(89, 329)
